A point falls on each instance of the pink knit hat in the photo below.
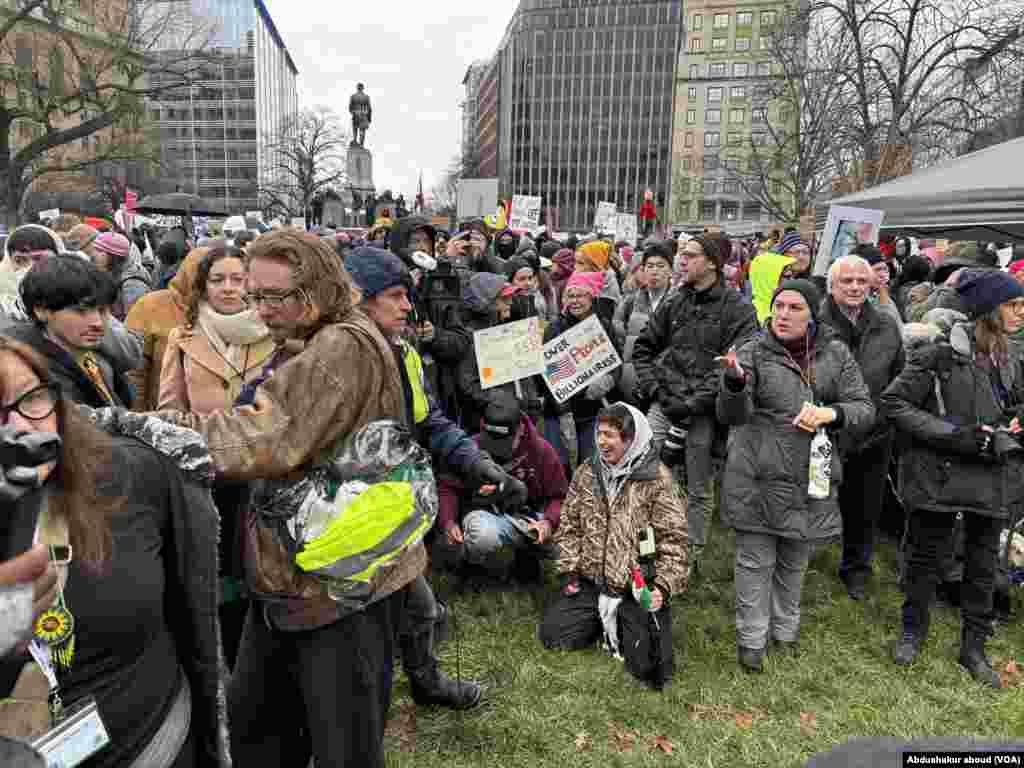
(114, 245)
(592, 282)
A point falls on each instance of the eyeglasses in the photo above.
(38, 403)
(272, 300)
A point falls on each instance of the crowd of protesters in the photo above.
(179, 415)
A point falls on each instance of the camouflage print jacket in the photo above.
(598, 542)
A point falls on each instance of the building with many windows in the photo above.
(215, 134)
(582, 105)
(723, 108)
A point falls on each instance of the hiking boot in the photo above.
(906, 649)
(972, 658)
(750, 659)
(856, 582)
(433, 687)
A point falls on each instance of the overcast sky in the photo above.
(412, 56)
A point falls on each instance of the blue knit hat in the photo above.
(374, 270)
(791, 240)
(984, 290)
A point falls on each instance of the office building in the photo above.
(470, 115)
(723, 106)
(215, 134)
(584, 100)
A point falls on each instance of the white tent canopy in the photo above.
(979, 196)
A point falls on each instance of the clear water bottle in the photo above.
(819, 473)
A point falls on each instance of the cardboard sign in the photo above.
(626, 227)
(525, 212)
(50, 213)
(605, 218)
(845, 229)
(509, 352)
(577, 357)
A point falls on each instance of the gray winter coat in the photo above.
(764, 486)
(631, 317)
(936, 473)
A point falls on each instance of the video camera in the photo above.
(442, 292)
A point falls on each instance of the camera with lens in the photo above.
(442, 292)
(673, 450)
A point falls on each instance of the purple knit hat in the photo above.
(114, 245)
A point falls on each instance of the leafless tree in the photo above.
(305, 158)
(75, 76)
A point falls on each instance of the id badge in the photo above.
(647, 546)
(76, 738)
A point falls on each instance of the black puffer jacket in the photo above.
(935, 474)
(877, 344)
(764, 486)
(695, 328)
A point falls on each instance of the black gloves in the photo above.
(676, 409)
(20, 455)
(970, 441)
(512, 493)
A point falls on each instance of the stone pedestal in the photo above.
(360, 169)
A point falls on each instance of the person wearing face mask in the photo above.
(69, 300)
(875, 340)
(623, 552)
(487, 301)
(791, 386)
(958, 403)
(635, 311)
(25, 246)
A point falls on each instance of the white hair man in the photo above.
(875, 340)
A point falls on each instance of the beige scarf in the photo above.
(231, 334)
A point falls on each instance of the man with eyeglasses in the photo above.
(876, 341)
(312, 678)
(678, 377)
(69, 300)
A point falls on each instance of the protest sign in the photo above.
(49, 214)
(299, 222)
(845, 229)
(575, 358)
(525, 212)
(257, 215)
(509, 352)
(475, 198)
(626, 227)
(604, 219)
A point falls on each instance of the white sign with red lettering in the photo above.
(575, 358)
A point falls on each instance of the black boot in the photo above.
(972, 658)
(429, 684)
(750, 659)
(906, 649)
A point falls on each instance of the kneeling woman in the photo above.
(782, 389)
(134, 626)
(620, 519)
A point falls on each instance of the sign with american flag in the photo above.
(575, 358)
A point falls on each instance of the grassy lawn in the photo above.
(583, 709)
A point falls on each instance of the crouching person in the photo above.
(476, 534)
(622, 527)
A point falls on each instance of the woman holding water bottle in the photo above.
(785, 394)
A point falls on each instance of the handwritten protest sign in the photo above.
(575, 358)
(605, 218)
(509, 352)
(49, 214)
(525, 212)
(626, 227)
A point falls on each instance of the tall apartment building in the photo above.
(488, 104)
(723, 106)
(584, 102)
(470, 111)
(215, 134)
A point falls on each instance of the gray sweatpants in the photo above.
(699, 487)
(769, 576)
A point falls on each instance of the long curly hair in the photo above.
(220, 250)
(318, 273)
(85, 464)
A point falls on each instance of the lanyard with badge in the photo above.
(75, 733)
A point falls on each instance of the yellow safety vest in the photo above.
(417, 383)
